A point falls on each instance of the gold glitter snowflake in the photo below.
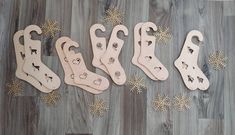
(162, 35)
(114, 16)
(217, 60)
(161, 103)
(50, 28)
(137, 83)
(98, 108)
(51, 98)
(181, 102)
(14, 88)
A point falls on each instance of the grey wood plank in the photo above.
(210, 127)
(229, 75)
(20, 114)
(82, 19)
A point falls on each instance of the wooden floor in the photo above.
(212, 112)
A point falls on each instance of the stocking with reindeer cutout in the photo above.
(186, 63)
(33, 64)
(20, 56)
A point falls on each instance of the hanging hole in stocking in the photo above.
(190, 78)
(195, 40)
(200, 80)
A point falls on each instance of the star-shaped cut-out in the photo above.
(217, 60)
(50, 28)
(162, 35)
(114, 16)
(98, 108)
(161, 103)
(137, 83)
(14, 88)
(51, 98)
(182, 102)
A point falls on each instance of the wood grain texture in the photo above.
(211, 112)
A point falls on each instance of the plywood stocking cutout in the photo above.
(98, 46)
(110, 58)
(33, 64)
(20, 56)
(137, 49)
(147, 56)
(68, 73)
(186, 63)
(82, 75)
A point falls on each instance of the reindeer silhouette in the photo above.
(35, 67)
(190, 78)
(48, 77)
(200, 80)
(184, 65)
(190, 50)
(33, 50)
(22, 55)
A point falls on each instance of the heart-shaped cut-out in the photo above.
(83, 75)
(115, 46)
(97, 81)
(76, 61)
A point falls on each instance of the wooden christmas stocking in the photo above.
(98, 46)
(33, 64)
(186, 63)
(147, 57)
(82, 75)
(69, 75)
(110, 57)
(137, 50)
(20, 56)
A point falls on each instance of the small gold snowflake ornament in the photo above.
(50, 28)
(137, 84)
(98, 108)
(181, 102)
(51, 98)
(217, 60)
(114, 16)
(161, 103)
(162, 35)
(14, 88)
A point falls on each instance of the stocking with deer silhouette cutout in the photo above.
(186, 63)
